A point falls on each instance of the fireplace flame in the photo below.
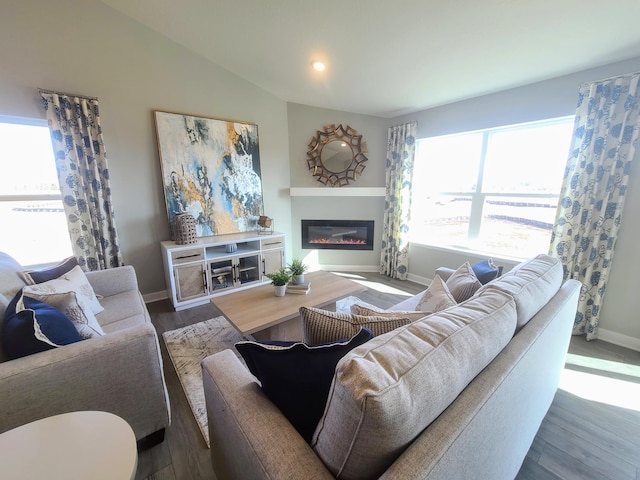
(345, 241)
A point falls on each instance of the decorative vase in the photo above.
(280, 290)
(184, 229)
(298, 279)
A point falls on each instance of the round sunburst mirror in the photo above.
(336, 155)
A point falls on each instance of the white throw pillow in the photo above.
(68, 303)
(463, 283)
(436, 298)
(73, 281)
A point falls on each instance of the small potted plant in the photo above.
(279, 281)
(296, 269)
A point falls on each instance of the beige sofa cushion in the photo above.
(11, 281)
(321, 326)
(123, 310)
(357, 309)
(388, 390)
(531, 283)
(463, 283)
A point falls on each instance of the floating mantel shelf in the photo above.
(337, 192)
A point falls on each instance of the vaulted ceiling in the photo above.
(390, 57)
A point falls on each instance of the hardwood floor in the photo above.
(583, 436)
(592, 429)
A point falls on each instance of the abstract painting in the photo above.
(210, 169)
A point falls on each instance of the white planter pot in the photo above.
(280, 290)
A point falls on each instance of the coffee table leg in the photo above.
(288, 331)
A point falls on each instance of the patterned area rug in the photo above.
(189, 345)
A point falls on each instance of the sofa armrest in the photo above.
(119, 373)
(113, 280)
(250, 437)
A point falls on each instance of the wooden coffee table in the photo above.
(257, 311)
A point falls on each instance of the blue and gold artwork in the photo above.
(210, 169)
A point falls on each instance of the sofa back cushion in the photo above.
(11, 282)
(387, 391)
(11, 279)
(532, 283)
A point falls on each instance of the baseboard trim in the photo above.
(619, 339)
(418, 279)
(350, 268)
(155, 296)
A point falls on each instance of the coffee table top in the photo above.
(76, 445)
(258, 308)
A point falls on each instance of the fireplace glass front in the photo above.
(337, 234)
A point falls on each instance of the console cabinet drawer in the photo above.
(185, 256)
(269, 243)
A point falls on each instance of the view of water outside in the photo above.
(34, 225)
(491, 191)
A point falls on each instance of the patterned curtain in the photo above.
(593, 190)
(401, 148)
(83, 175)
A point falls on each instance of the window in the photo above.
(493, 191)
(34, 228)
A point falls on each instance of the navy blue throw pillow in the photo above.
(37, 328)
(486, 271)
(297, 377)
(50, 273)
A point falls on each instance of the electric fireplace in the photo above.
(337, 234)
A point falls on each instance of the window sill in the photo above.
(507, 260)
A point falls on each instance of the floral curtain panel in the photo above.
(401, 147)
(593, 191)
(83, 175)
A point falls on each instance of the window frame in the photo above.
(479, 197)
(34, 122)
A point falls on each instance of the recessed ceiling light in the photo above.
(318, 66)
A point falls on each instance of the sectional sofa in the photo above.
(119, 372)
(458, 394)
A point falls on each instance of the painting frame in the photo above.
(210, 169)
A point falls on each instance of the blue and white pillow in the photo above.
(42, 275)
(34, 328)
(72, 281)
(486, 271)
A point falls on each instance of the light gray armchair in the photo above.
(120, 372)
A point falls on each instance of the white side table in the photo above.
(77, 445)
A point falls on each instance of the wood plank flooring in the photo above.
(579, 438)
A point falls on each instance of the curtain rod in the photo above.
(44, 90)
(611, 78)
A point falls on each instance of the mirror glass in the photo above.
(336, 156)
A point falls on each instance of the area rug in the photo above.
(189, 345)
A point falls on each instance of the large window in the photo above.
(34, 228)
(493, 191)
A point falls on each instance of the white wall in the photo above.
(619, 321)
(83, 46)
(304, 122)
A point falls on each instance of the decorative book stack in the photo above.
(299, 288)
